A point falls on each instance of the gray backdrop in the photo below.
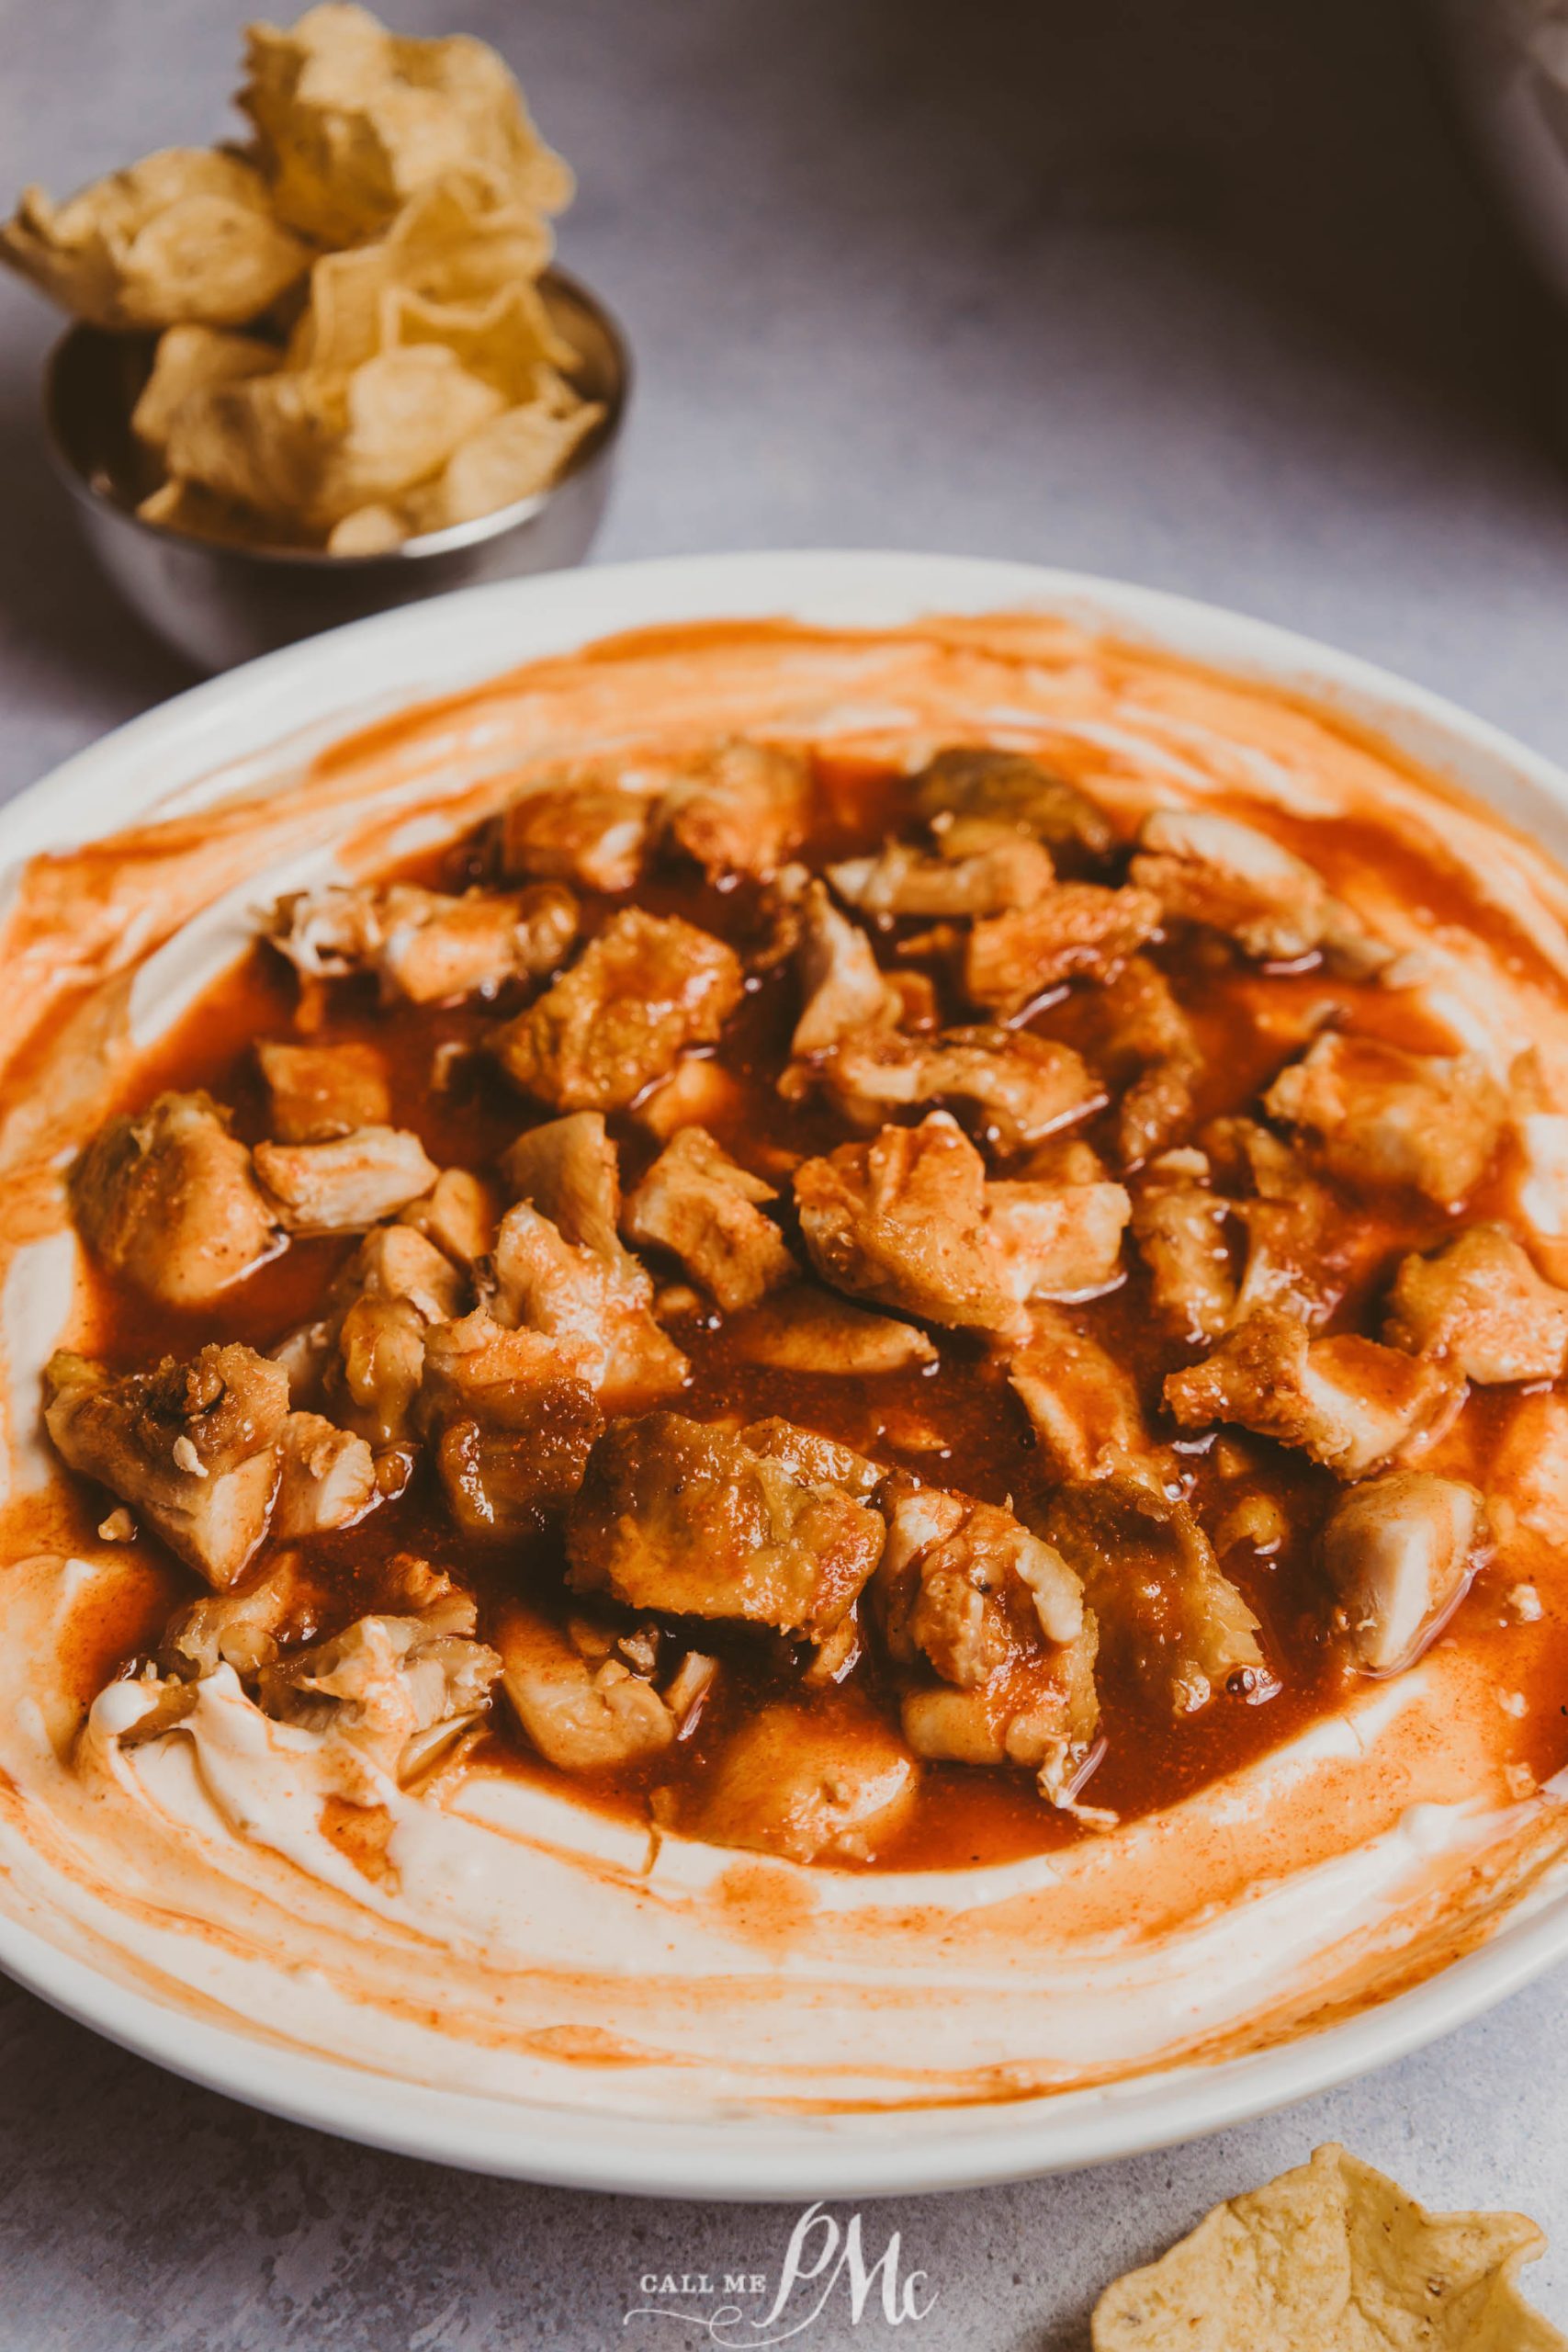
(1199, 296)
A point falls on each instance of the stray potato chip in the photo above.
(186, 361)
(1332, 2258)
(514, 456)
(186, 235)
(312, 446)
(451, 242)
(352, 118)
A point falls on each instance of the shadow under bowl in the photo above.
(218, 602)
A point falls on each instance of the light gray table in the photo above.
(1200, 296)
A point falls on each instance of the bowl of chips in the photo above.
(331, 368)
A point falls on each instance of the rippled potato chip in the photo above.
(351, 119)
(310, 446)
(1332, 2258)
(451, 242)
(188, 360)
(186, 235)
(513, 457)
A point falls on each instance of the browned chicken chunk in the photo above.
(347, 1184)
(1024, 1087)
(900, 1220)
(1150, 1575)
(1011, 871)
(588, 829)
(426, 946)
(169, 1199)
(807, 1330)
(1147, 1045)
(318, 1091)
(642, 992)
(969, 782)
(240, 1627)
(582, 1713)
(1076, 930)
(457, 1215)
(842, 990)
(366, 1356)
(328, 1477)
(739, 808)
(544, 1281)
(193, 1448)
(824, 1782)
(1479, 1304)
(1346, 1401)
(514, 1418)
(1400, 1551)
(685, 1518)
(999, 1616)
(1211, 869)
(1082, 1405)
(1180, 1227)
(1379, 1116)
(703, 1205)
(1056, 1240)
(569, 1169)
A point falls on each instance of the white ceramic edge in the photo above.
(432, 649)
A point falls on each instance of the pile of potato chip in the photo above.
(353, 345)
(1332, 2258)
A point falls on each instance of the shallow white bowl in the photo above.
(324, 686)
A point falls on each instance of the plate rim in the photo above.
(758, 2156)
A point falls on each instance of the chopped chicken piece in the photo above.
(1381, 1115)
(1528, 1474)
(1211, 869)
(1077, 929)
(842, 989)
(587, 829)
(457, 1215)
(811, 1785)
(999, 1617)
(900, 1220)
(240, 1627)
(387, 1682)
(806, 1454)
(1146, 1044)
(1299, 1238)
(193, 1448)
(169, 1199)
(700, 1203)
(372, 1346)
(1081, 1405)
(1479, 1304)
(569, 1169)
(1179, 1224)
(739, 808)
(973, 781)
(1350, 1403)
(807, 1330)
(561, 1287)
(399, 1261)
(328, 1477)
(1013, 871)
(1058, 1240)
(1023, 1086)
(347, 1184)
(645, 989)
(1400, 1551)
(1150, 1575)
(699, 1092)
(316, 1091)
(583, 1715)
(679, 1516)
(426, 946)
(516, 1419)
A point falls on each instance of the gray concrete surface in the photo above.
(1199, 296)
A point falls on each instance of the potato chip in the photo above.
(515, 456)
(352, 118)
(1332, 2258)
(186, 235)
(186, 506)
(189, 359)
(451, 242)
(313, 446)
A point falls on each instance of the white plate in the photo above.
(322, 688)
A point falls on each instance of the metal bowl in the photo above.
(218, 602)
